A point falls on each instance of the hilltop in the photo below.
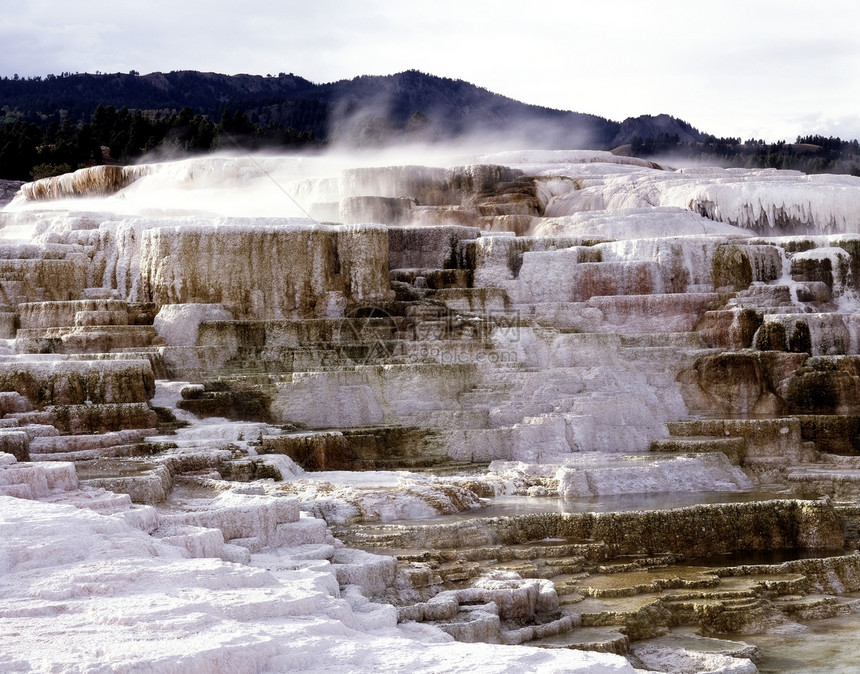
(364, 109)
(59, 123)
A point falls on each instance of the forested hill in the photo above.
(58, 123)
(80, 94)
(366, 109)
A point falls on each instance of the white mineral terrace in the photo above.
(522, 412)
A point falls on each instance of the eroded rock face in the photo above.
(328, 268)
(771, 382)
(95, 181)
(701, 531)
(745, 382)
(824, 386)
(70, 382)
(219, 399)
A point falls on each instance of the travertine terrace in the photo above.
(579, 411)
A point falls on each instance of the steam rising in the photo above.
(413, 107)
(299, 185)
(523, 192)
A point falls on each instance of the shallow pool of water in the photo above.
(829, 645)
(759, 557)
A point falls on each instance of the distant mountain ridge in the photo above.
(365, 110)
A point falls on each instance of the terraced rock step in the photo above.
(623, 600)
(600, 639)
(126, 443)
(145, 483)
(361, 448)
(734, 448)
(698, 531)
(698, 653)
(90, 338)
(839, 480)
(812, 607)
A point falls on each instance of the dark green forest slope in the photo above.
(57, 123)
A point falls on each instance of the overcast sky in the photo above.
(769, 69)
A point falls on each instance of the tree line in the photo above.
(809, 154)
(63, 122)
(29, 150)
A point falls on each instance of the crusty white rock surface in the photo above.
(84, 591)
(531, 357)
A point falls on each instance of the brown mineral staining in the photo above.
(87, 182)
